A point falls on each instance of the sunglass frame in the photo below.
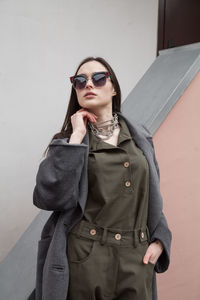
(72, 77)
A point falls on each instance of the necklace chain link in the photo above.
(98, 129)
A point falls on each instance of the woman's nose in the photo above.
(89, 82)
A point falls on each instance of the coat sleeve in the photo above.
(58, 176)
(162, 231)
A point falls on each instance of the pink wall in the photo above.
(177, 146)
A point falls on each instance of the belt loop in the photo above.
(135, 237)
(104, 236)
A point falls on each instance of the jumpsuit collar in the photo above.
(97, 143)
(132, 126)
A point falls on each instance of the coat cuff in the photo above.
(163, 234)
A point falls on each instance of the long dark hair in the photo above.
(73, 105)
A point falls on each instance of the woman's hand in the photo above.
(153, 252)
(79, 120)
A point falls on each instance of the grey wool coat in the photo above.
(62, 187)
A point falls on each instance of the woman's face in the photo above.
(103, 95)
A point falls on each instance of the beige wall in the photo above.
(177, 144)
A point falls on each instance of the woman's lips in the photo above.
(90, 96)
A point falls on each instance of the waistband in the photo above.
(111, 235)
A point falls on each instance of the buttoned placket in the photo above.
(101, 144)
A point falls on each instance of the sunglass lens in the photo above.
(79, 82)
(99, 79)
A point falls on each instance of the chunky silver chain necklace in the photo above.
(98, 129)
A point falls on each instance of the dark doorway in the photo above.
(178, 23)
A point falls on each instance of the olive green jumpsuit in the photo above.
(106, 248)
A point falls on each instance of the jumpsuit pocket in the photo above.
(79, 249)
(151, 264)
(150, 268)
(141, 250)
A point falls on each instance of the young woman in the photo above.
(107, 235)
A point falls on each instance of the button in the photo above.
(118, 236)
(127, 183)
(126, 164)
(142, 235)
(93, 232)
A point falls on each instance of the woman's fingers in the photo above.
(84, 113)
(89, 115)
(79, 120)
(147, 256)
(152, 254)
(83, 109)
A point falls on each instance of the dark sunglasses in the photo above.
(98, 79)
